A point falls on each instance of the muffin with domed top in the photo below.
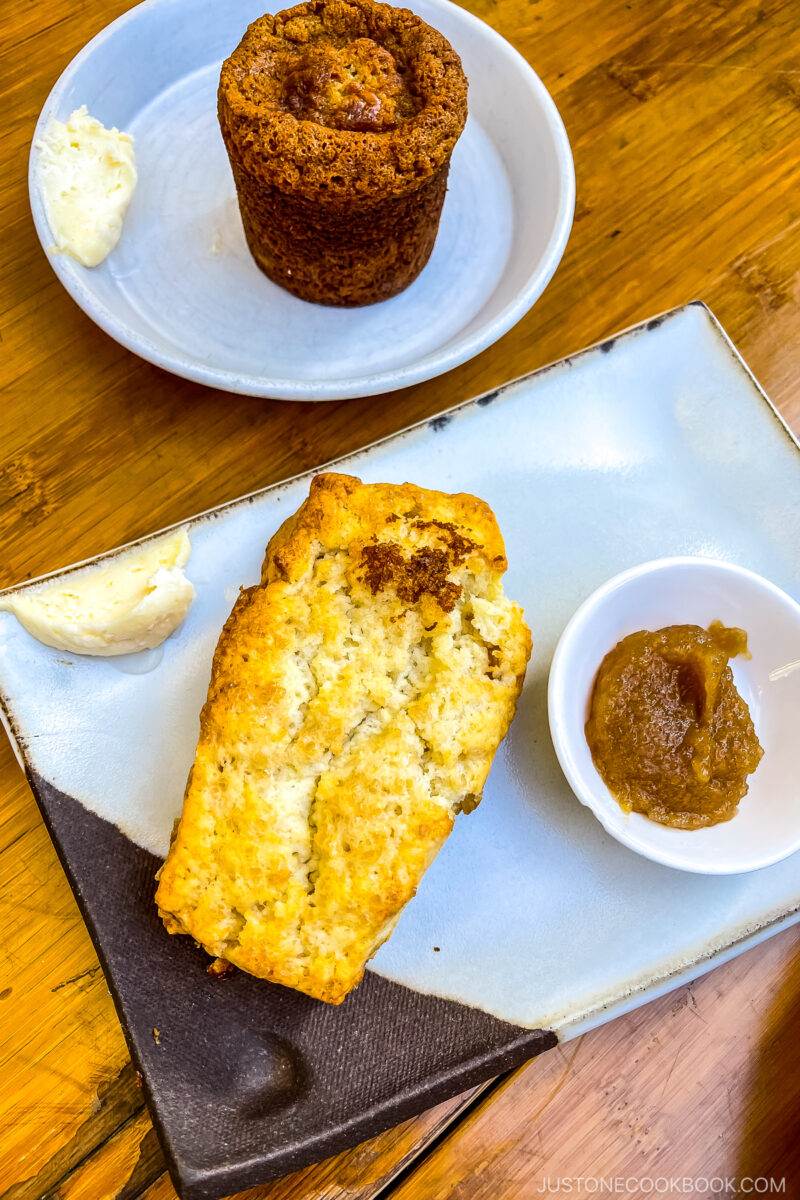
(339, 118)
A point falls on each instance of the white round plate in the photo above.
(696, 591)
(180, 288)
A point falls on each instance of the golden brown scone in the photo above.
(357, 697)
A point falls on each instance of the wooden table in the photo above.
(684, 118)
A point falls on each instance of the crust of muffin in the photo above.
(357, 697)
(313, 161)
(349, 258)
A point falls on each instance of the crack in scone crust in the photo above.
(357, 697)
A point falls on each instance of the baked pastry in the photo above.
(357, 697)
(339, 118)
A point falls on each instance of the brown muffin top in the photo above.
(358, 86)
(336, 97)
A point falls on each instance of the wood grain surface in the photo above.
(684, 118)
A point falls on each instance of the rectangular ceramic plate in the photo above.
(533, 924)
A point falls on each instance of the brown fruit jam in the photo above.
(668, 731)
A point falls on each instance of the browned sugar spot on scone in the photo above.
(458, 545)
(357, 86)
(425, 572)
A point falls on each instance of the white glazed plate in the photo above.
(692, 591)
(180, 288)
(657, 443)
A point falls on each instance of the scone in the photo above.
(357, 697)
(339, 118)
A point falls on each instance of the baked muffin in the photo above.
(339, 118)
(357, 697)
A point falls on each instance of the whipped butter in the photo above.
(133, 603)
(87, 174)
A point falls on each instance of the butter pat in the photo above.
(133, 603)
(87, 174)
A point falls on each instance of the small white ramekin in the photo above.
(678, 591)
